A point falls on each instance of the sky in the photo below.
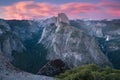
(75, 9)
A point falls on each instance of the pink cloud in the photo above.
(31, 10)
(28, 10)
(112, 8)
(76, 8)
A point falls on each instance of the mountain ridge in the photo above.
(64, 41)
(75, 42)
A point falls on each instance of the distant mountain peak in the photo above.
(62, 17)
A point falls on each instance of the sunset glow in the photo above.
(81, 10)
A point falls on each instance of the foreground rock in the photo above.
(8, 72)
(53, 68)
(70, 44)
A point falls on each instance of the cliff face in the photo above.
(70, 44)
(107, 33)
(18, 42)
(9, 41)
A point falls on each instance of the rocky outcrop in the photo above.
(71, 44)
(9, 72)
(62, 18)
(53, 68)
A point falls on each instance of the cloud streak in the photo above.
(33, 10)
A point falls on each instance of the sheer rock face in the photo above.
(62, 18)
(71, 45)
(9, 41)
(9, 72)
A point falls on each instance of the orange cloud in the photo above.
(31, 10)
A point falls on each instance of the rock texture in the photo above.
(9, 41)
(8, 72)
(107, 33)
(70, 44)
(53, 68)
(62, 18)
